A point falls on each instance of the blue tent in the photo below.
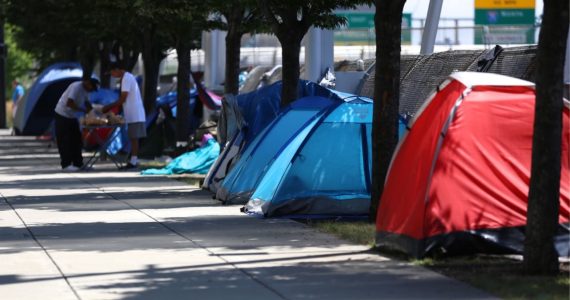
(161, 132)
(243, 178)
(36, 112)
(245, 118)
(321, 167)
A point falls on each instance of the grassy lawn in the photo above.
(498, 275)
(358, 232)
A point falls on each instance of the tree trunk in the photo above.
(183, 92)
(233, 45)
(388, 25)
(291, 48)
(104, 63)
(87, 60)
(152, 56)
(131, 58)
(151, 68)
(540, 256)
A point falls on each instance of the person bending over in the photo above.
(68, 135)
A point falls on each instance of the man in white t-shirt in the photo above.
(133, 110)
(68, 135)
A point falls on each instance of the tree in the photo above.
(540, 256)
(69, 37)
(290, 21)
(114, 38)
(145, 24)
(183, 20)
(388, 26)
(19, 63)
(237, 19)
(49, 43)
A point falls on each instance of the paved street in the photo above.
(106, 234)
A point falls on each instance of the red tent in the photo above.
(459, 179)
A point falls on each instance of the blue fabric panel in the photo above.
(330, 162)
(272, 178)
(36, 110)
(311, 102)
(352, 112)
(369, 144)
(251, 167)
(103, 96)
(171, 99)
(259, 108)
(52, 73)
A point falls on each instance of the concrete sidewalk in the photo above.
(106, 234)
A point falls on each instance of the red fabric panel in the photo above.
(482, 174)
(402, 206)
(89, 140)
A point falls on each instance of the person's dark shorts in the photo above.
(136, 130)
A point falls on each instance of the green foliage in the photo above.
(290, 21)
(243, 16)
(302, 14)
(19, 63)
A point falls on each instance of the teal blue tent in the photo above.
(241, 181)
(324, 168)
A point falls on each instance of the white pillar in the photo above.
(319, 53)
(327, 55)
(214, 46)
(430, 29)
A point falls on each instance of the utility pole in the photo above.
(430, 30)
(3, 54)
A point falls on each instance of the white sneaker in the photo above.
(71, 168)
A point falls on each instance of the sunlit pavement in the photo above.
(108, 234)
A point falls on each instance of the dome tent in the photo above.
(324, 168)
(243, 178)
(36, 112)
(244, 117)
(470, 148)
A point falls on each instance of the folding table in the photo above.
(103, 144)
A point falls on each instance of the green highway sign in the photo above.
(504, 16)
(504, 21)
(359, 29)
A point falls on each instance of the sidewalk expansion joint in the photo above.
(46, 252)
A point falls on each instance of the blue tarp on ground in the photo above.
(198, 161)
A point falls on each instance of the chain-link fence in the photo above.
(421, 74)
